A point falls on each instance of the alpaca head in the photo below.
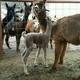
(39, 8)
(10, 10)
(27, 10)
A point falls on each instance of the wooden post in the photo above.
(1, 47)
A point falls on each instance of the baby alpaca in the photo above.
(41, 39)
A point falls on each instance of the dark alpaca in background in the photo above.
(8, 17)
(18, 27)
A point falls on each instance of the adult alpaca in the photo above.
(8, 17)
(67, 30)
(41, 39)
(19, 27)
(40, 12)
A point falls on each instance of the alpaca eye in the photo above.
(35, 4)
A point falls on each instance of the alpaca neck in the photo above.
(42, 20)
(49, 27)
(25, 17)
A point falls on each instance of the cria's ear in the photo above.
(44, 1)
(6, 5)
(14, 5)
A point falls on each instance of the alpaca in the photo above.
(39, 11)
(15, 28)
(41, 39)
(10, 13)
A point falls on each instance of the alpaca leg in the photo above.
(18, 42)
(26, 53)
(63, 53)
(23, 53)
(37, 55)
(51, 44)
(45, 55)
(6, 40)
(58, 47)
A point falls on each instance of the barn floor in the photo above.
(11, 67)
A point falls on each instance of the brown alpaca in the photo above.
(67, 30)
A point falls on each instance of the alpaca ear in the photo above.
(6, 5)
(14, 5)
(25, 4)
(44, 1)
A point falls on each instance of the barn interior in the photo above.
(11, 67)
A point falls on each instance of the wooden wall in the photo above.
(50, 1)
(1, 49)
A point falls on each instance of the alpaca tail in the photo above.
(24, 34)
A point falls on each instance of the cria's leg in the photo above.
(37, 55)
(25, 55)
(45, 55)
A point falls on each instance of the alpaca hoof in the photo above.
(26, 73)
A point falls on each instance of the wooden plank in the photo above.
(1, 47)
(49, 1)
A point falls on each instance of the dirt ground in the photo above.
(11, 67)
